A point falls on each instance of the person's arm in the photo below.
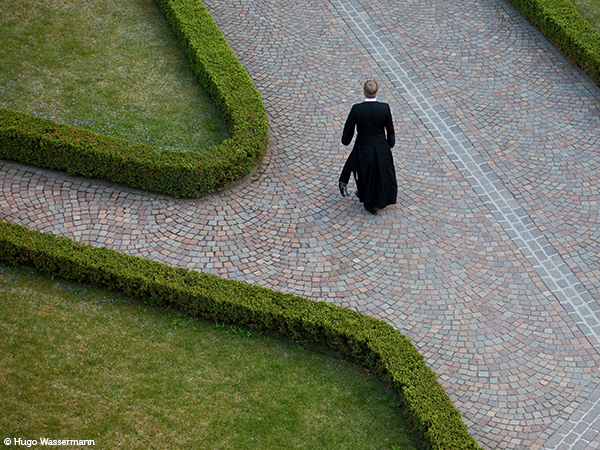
(389, 128)
(349, 127)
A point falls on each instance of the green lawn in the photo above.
(82, 363)
(112, 66)
(590, 11)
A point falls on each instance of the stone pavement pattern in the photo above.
(489, 261)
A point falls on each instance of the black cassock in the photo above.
(371, 158)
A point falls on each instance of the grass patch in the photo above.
(589, 10)
(111, 66)
(79, 362)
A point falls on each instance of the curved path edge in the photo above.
(489, 262)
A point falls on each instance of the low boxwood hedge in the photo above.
(44, 143)
(564, 26)
(371, 342)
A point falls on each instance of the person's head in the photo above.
(371, 87)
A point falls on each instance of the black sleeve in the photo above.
(389, 128)
(348, 133)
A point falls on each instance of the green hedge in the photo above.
(564, 26)
(372, 342)
(44, 143)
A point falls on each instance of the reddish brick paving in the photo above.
(489, 261)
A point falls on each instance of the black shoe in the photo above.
(371, 209)
(343, 189)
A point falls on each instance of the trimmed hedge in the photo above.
(44, 143)
(564, 26)
(371, 342)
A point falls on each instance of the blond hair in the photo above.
(371, 87)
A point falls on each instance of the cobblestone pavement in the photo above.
(490, 260)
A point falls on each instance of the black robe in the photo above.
(371, 158)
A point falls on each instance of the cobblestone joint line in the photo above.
(439, 265)
(501, 202)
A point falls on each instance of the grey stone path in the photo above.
(490, 260)
(465, 155)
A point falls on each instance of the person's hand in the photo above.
(343, 189)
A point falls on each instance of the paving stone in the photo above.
(493, 242)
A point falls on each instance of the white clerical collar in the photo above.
(371, 99)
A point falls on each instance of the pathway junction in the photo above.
(490, 261)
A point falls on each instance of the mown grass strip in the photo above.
(371, 342)
(109, 66)
(45, 143)
(84, 363)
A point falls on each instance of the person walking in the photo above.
(371, 159)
